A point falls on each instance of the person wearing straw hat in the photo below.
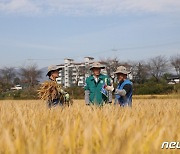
(124, 90)
(97, 86)
(53, 72)
(56, 95)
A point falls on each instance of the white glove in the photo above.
(109, 88)
(67, 96)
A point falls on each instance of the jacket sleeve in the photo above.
(120, 92)
(109, 83)
(109, 97)
(87, 97)
(87, 92)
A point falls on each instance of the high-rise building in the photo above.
(74, 74)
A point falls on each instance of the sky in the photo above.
(47, 31)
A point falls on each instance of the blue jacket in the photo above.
(124, 100)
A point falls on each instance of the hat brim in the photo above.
(57, 69)
(122, 72)
(103, 67)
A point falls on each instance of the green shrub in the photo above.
(177, 88)
(76, 92)
(28, 93)
(153, 88)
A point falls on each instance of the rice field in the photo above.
(28, 127)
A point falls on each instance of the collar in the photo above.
(122, 81)
(100, 77)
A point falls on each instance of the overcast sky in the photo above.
(47, 31)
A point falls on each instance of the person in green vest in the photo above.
(98, 87)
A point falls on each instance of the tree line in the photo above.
(157, 67)
(149, 76)
(26, 76)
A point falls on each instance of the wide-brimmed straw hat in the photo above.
(122, 69)
(53, 68)
(97, 65)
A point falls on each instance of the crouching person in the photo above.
(124, 91)
(97, 87)
(52, 92)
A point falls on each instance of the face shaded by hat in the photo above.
(122, 70)
(97, 65)
(53, 68)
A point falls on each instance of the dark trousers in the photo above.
(54, 103)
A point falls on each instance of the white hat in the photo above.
(97, 65)
(53, 68)
(122, 69)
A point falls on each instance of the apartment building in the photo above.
(74, 73)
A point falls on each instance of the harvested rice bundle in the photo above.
(48, 91)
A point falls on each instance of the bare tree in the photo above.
(175, 62)
(30, 75)
(157, 66)
(111, 64)
(7, 75)
(139, 71)
(16, 81)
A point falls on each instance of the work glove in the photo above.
(67, 97)
(109, 88)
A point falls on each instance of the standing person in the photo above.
(124, 91)
(97, 87)
(51, 91)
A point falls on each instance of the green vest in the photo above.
(96, 97)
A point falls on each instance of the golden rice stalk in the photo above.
(48, 90)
